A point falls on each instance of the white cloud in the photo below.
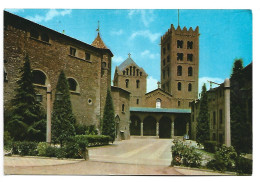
(117, 59)
(49, 15)
(148, 54)
(146, 33)
(151, 84)
(119, 32)
(147, 16)
(205, 80)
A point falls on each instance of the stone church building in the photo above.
(163, 112)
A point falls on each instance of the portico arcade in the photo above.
(162, 123)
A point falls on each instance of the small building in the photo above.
(121, 101)
(219, 114)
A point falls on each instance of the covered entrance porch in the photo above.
(159, 122)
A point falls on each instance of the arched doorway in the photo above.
(165, 127)
(135, 126)
(179, 126)
(149, 126)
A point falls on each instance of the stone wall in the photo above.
(50, 57)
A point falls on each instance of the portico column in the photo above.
(157, 128)
(142, 128)
(227, 112)
(187, 128)
(172, 129)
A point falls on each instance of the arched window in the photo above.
(137, 83)
(72, 84)
(123, 107)
(124, 72)
(137, 72)
(179, 85)
(45, 37)
(39, 77)
(34, 34)
(189, 87)
(126, 83)
(179, 70)
(158, 103)
(141, 73)
(127, 71)
(190, 71)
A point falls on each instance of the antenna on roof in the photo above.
(98, 27)
(178, 17)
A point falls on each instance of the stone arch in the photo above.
(149, 126)
(73, 84)
(40, 77)
(165, 127)
(180, 126)
(135, 125)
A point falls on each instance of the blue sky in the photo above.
(224, 35)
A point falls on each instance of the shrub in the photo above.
(210, 146)
(80, 129)
(51, 151)
(243, 165)
(225, 158)
(91, 130)
(41, 148)
(94, 140)
(7, 141)
(60, 153)
(185, 155)
(25, 148)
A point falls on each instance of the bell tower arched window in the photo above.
(189, 87)
(190, 71)
(179, 85)
(179, 70)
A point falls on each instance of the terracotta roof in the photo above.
(98, 42)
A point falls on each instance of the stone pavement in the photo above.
(135, 151)
(128, 157)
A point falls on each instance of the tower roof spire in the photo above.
(98, 42)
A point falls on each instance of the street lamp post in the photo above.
(48, 131)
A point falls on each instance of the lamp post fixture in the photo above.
(48, 130)
(38, 97)
(59, 96)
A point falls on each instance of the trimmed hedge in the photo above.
(24, 148)
(94, 140)
(210, 146)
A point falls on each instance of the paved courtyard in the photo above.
(128, 157)
(135, 151)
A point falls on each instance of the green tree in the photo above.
(63, 120)
(241, 136)
(27, 119)
(108, 124)
(203, 119)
